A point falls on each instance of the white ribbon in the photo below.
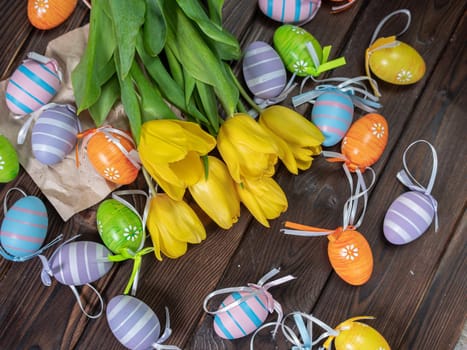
(385, 19)
(167, 332)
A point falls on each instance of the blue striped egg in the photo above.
(332, 113)
(408, 217)
(290, 11)
(31, 86)
(78, 263)
(263, 70)
(24, 227)
(242, 319)
(54, 134)
(132, 322)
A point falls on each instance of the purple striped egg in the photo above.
(408, 217)
(242, 319)
(31, 86)
(290, 11)
(78, 263)
(132, 322)
(263, 70)
(332, 113)
(24, 227)
(54, 134)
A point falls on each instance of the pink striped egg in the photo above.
(263, 70)
(408, 217)
(32, 85)
(332, 113)
(132, 322)
(242, 319)
(78, 263)
(24, 227)
(290, 11)
(54, 134)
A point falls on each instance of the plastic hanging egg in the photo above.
(108, 159)
(365, 141)
(132, 322)
(9, 164)
(24, 227)
(263, 70)
(350, 256)
(408, 217)
(119, 227)
(48, 14)
(242, 319)
(332, 113)
(290, 11)
(32, 85)
(54, 134)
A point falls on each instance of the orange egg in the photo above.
(47, 14)
(365, 141)
(350, 256)
(112, 155)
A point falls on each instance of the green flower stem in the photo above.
(245, 94)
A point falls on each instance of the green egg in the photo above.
(119, 227)
(9, 164)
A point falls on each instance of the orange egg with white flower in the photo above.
(48, 14)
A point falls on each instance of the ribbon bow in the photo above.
(167, 333)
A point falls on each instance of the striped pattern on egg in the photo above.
(263, 70)
(242, 319)
(31, 86)
(408, 217)
(132, 322)
(54, 134)
(290, 11)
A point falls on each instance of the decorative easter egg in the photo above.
(132, 322)
(263, 70)
(396, 63)
(290, 11)
(408, 217)
(242, 319)
(24, 227)
(109, 153)
(332, 113)
(78, 263)
(119, 227)
(350, 256)
(54, 134)
(32, 85)
(47, 14)
(365, 141)
(9, 164)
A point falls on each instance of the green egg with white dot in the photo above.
(9, 164)
(119, 226)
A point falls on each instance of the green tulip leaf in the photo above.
(154, 28)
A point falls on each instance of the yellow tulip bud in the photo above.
(172, 224)
(216, 194)
(264, 198)
(246, 148)
(170, 151)
(298, 138)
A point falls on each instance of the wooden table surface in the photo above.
(417, 292)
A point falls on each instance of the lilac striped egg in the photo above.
(332, 113)
(132, 322)
(54, 134)
(408, 217)
(290, 11)
(24, 227)
(263, 70)
(78, 263)
(242, 319)
(31, 86)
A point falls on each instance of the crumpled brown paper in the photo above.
(70, 189)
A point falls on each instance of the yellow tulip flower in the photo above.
(170, 151)
(298, 138)
(264, 198)
(246, 148)
(172, 225)
(216, 194)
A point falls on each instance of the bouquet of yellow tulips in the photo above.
(223, 156)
